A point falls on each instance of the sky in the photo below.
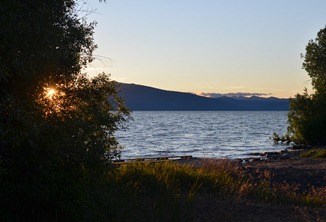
(206, 46)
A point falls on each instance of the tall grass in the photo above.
(160, 191)
(315, 153)
(170, 191)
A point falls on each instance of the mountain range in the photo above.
(145, 98)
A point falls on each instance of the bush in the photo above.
(307, 116)
(315, 153)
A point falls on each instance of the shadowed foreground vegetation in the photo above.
(215, 191)
(315, 153)
(165, 192)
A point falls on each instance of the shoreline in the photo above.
(286, 166)
(287, 153)
(281, 172)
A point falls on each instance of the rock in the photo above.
(285, 156)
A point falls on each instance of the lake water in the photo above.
(201, 134)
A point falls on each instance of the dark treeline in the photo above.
(56, 126)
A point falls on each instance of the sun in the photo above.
(50, 92)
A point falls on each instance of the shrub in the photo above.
(307, 117)
(315, 153)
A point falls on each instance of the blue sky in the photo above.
(221, 46)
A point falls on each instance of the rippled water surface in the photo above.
(201, 134)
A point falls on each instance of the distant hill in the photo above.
(144, 98)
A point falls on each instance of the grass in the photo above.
(173, 192)
(164, 192)
(315, 153)
(169, 192)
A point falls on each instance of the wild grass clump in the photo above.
(170, 191)
(167, 191)
(315, 153)
(163, 191)
(315, 197)
(163, 183)
(290, 194)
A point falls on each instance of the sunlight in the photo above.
(50, 92)
(54, 100)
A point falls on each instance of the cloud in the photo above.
(237, 94)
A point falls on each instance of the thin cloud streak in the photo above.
(237, 94)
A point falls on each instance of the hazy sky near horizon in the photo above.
(207, 46)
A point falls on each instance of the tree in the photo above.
(315, 61)
(307, 116)
(57, 125)
(41, 42)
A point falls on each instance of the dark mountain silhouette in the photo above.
(146, 98)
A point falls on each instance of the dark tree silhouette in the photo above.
(56, 126)
(307, 116)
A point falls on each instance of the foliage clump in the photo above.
(315, 153)
(56, 125)
(307, 116)
(283, 139)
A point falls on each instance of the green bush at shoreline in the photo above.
(315, 153)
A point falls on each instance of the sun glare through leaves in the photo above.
(52, 101)
(49, 93)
